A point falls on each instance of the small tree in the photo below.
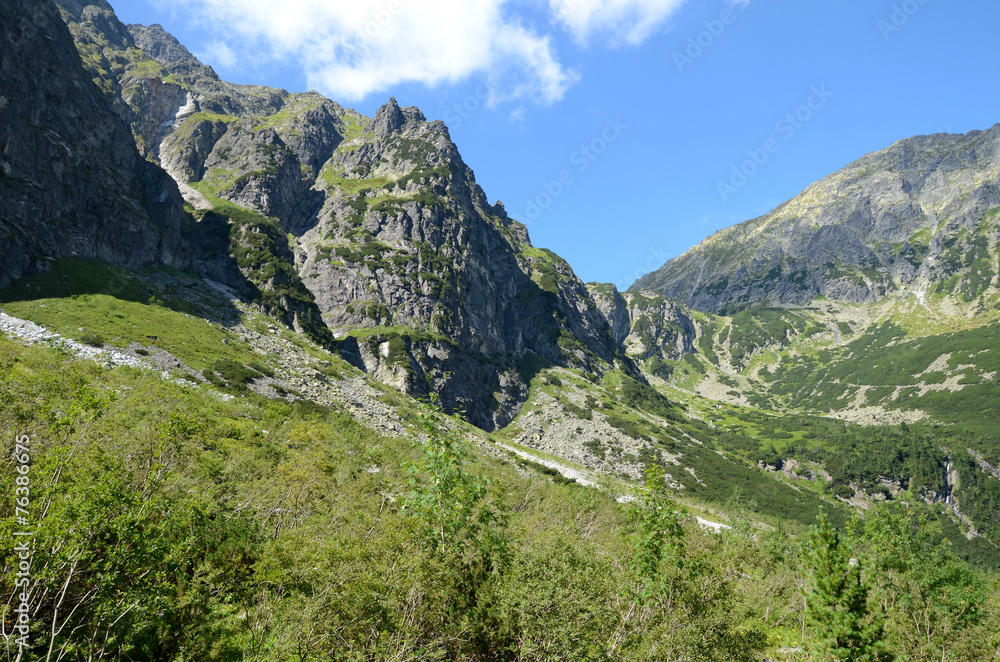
(679, 605)
(837, 601)
(932, 598)
(463, 526)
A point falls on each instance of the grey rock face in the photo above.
(215, 95)
(650, 327)
(613, 307)
(907, 218)
(659, 328)
(430, 287)
(407, 245)
(71, 180)
(189, 121)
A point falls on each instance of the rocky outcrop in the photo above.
(651, 328)
(613, 307)
(174, 105)
(391, 243)
(71, 180)
(440, 290)
(659, 328)
(919, 216)
(214, 95)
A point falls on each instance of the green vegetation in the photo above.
(837, 608)
(295, 107)
(934, 604)
(114, 305)
(547, 268)
(681, 601)
(258, 529)
(463, 526)
(644, 397)
(352, 125)
(413, 149)
(760, 328)
(350, 186)
(895, 370)
(232, 376)
(423, 174)
(260, 249)
(92, 339)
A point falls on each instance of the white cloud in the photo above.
(218, 53)
(349, 49)
(619, 21)
(352, 48)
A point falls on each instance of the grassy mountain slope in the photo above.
(221, 518)
(923, 371)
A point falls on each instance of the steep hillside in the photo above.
(71, 179)
(652, 330)
(917, 217)
(390, 241)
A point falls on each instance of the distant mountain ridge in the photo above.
(920, 215)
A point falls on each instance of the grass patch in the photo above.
(112, 305)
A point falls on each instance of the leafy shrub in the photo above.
(92, 339)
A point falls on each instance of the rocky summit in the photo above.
(370, 235)
(917, 216)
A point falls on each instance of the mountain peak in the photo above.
(391, 118)
(167, 50)
(76, 8)
(102, 16)
(903, 219)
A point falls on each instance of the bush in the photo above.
(92, 339)
(842, 490)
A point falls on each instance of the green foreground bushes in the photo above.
(173, 525)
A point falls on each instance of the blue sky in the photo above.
(616, 129)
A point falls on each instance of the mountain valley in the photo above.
(239, 301)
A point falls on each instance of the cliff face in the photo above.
(373, 228)
(406, 242)
(919, 216)
(71, 179)
(651, 328)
